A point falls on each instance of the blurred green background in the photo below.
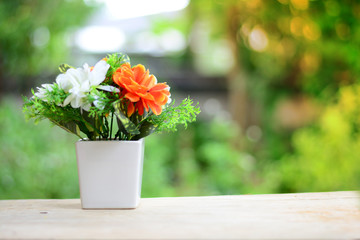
(277, 82)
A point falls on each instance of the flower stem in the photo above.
(111, 125)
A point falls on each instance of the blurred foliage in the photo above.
(296, 60)
(35, 35)
(326, 155)
(286, 46)
(292, 57)
(36, 161)
(40, 161)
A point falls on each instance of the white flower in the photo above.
(43, 91)
(169, 98)
(99, 103)
(78, 82)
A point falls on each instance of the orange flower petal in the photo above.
(146, 96)
(160, 87)
(130, 109)
(117, 76)
(155, 108)
(166, 99)
(126, 66)
(136, 88)
(140, 108)
(139, 73)
(145, 104)
(149, 81)
(159, 97)
(132, 97)
(141, 89)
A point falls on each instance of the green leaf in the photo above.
(69, 127)
(64, 67)
(129, 126)
(172, 116)
(146, 129)
(124, 58)
(118, 58)
(115, 60)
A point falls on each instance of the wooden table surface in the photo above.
(333, 215)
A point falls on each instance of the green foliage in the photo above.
(40, 161)
(36, 161)
(172, 116)
(67, 117)
(311, 50)
(33, 34)
(281, 49)
(115, 60)
(50, 102)
(51, 108)
(302, 46)
(64, 67)
(96, 123)
(128, 125)
(326, 155)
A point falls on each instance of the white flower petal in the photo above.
(40, 94)
(86, 67)
(99, 104)
(48, 87)
(76, 102)
(98, 74)
(108, 88)
(63, 81)
(78, 82)
(86, 107)
(77, 77)
(85, 87)
(43, 91)
(68, 99)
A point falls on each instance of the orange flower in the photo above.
(141, 89)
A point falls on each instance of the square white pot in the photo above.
(110, 173)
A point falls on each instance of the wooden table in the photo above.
(333, 215)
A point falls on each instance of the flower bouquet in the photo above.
(89, 100)
(111, 107)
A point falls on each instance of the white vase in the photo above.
(110, 173)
